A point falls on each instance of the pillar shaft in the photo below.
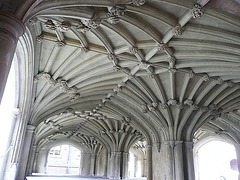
(175, 161)
(116, 165)
(10, 30)
(178, 160)
(144, 167)
(188, 161)
(149, 162)
(35, 162)
(21, 173)
(86, 163)
(92, 167)
(135, 165)
(125, 165)
(31, 161)
(105, 174)
(41, 161)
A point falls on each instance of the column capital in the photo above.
(11, 27)
(15, 112)
(30, 128)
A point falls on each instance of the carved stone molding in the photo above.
(190, 103)
(86, 25)
(180, 105)
(39, 38)
(205, 78)
(138, 2)
(126, 120)
(64, 26)
(204, 108)
(116, 68)
(60, 44)
(172, 70)
(54, 25)
(177, 30)
(163, 105)
(162, 47)
(71, 91)
(133, 50)
(144, 65)
(33, 21)
(144, 108)
(115, 13)
(219, 80)
(151, 108)
(197, 11)
(50, 25)
(113, 58)
(117, 89)
(172, 102)
(62, 84)
(45, 76)
(53, 125)
(131, 77)
(191, 74)
(230, 84)
(30, 128)
(172, 59)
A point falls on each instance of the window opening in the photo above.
(64, 159)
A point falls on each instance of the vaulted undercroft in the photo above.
(108, 76)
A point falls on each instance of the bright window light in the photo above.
(214, 161)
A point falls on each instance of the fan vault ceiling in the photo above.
(116, 72)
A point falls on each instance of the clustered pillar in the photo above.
(149, 162)
(25, 152)
(10, 30)
(175, 161)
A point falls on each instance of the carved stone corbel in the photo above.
(197, 11)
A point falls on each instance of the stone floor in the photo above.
(45, 177)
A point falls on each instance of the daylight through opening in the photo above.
(217, 161)
(64, 159)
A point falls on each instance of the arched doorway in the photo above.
(64, 159)
(216, 160)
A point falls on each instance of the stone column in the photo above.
(35, 162)
(92, 166)
(144, 167)
(97, 168)
(117, 169)
(135, 165)
(22, 167)
(105, 164)
(149, 161)
(41, 161)
(125, 165)
(188, 161)
(166, 169)
(178, 160)
(86, 163)
(31, 160)
(10, 30)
